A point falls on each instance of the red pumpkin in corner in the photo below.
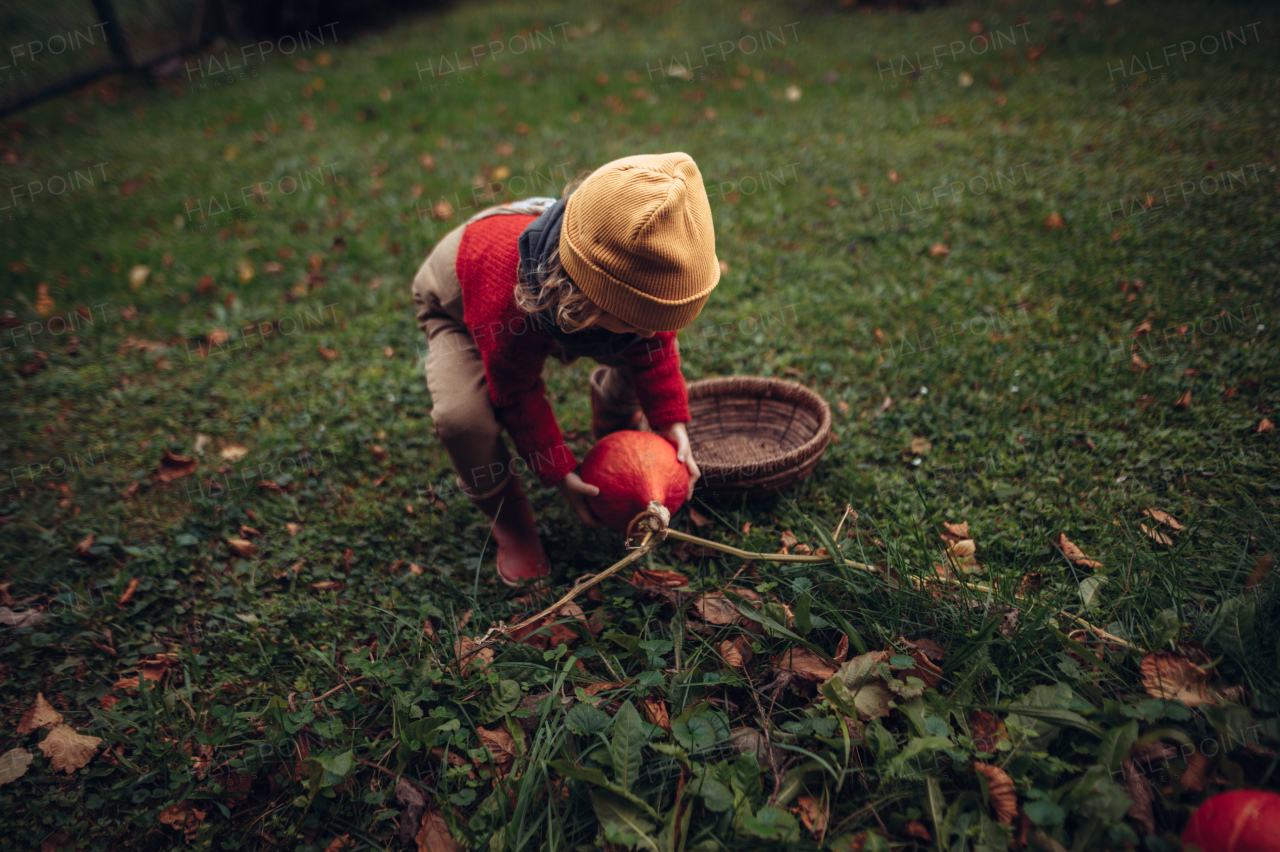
(631, 468)
(1239, 821)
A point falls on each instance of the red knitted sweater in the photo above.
(514, 351)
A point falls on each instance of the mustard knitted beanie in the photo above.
(638, 240)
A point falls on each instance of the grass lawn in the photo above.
(1035, 279)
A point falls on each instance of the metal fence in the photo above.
(53, 46)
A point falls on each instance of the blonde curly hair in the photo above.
(572, 310)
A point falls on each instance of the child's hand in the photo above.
(676, 434)
(576, 492)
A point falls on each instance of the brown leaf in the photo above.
(409, 797)
(67, 750)
(293, 528)
(1184, 401)
(955, 532)
(185, 817)
(125, 684)
(1142, 328)
(1003, 799)
(501, 746)
(128, 593)
(788, 540)
(658, 578)
(1138, 789)
(233, 452)
(916, 829)
(1265, 426)
(242, 547)
(988, 731)
(1192, 778)
(1156, 536)
(44, 302)
(342, 841)
(656, 712)
(1172, 677)
(939, 250)
(39, 715)
(1261, 569)
(26, 618)
(327, 585)
(474, 661)
(1163, 518)
(842, 649)
(328, 354)
(1073, 553)
(1053, 220)
(81, 550)
(434, 834)
(921, 446)
(812, 813)
(699, 520)
(736, 652)
(715, 608)
(1137, 364)
(174, 467)
(805, 663)
(14, 764)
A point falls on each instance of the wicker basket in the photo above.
(754, 435)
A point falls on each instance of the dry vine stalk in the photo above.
(653, 521)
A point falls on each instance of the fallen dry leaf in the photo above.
(1192, 778)
(658, 578)
(805, 663)
(1265, 426)
(39, 715)
(1073, 553)
(1003, 799)
(812, 813)
(128, 593)
(501, 746)
(328, 354)
(736, 652)
(1172, 677)
(655, 711)
(14, 764)
(1155, 535)
(1261, 569)
(1137, 364)
(715, 608)
(921, 446)
(185, 817)
(241, 547)
(988, 731)
(233, 452)
(1142, 328)
(939, 250)
(915, 829)
(138, 276)
(788, 540)
(1053, 220)
(44, 302)
(26, 618)
(174, 467)
(1163, 518)
(81, 550)
(1183, 402)
(1138, 789)
(434, 834)
(955, 532)
(67, 750)
(478, 660)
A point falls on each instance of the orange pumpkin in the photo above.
(630, 469)
(1239, 821)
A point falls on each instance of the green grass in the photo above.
(1010, 354)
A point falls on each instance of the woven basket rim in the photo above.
(766, 468)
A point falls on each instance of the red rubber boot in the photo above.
(521, 558)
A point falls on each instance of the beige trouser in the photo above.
(462, 410)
